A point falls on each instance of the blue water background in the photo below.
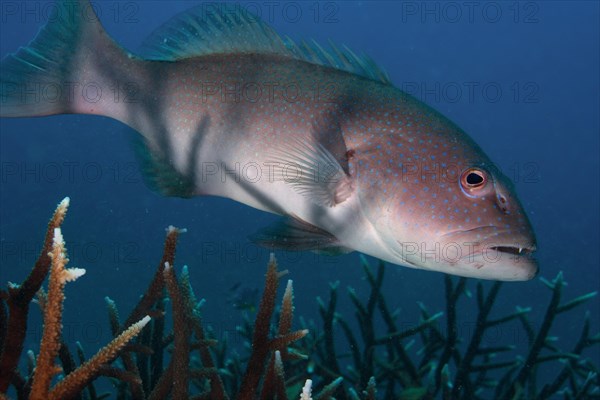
(542, 130)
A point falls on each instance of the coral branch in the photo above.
(452, 295)
(164, 385)
(287, 310)
(46, 368)
(286, 316)
(152, 295)
(280, 377)
(260, 340)
(306, 391)
(462, 375)
(216, 384)
(19, 298)
(78, 379)
(328, 316)
(328, 391)
(181, 328)
(154, 291)
(410, 377)
(281, 342)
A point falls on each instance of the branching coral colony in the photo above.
(145, 361)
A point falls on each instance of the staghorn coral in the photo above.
(184, 360)
(445, 367)
(51, 345)
(143, 372)
(18, 298)
(53, 309)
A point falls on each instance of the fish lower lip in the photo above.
(518, 251)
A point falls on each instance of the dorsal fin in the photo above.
(197, 32)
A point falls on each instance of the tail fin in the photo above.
(48, 75)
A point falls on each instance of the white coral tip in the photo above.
(72, 274)
(172, 228)
(64, 203)
(143, 322)
(306, 390)
(58, 237)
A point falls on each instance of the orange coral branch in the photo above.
(81, 377)
(286, 316)
(262, 345)
(281, 342)
(181, 328)
(287, 310)
(260, 338)
(18, 301)
(50, 345)
(176, 377)
(151, 296)
(154, 291)
(164, 385)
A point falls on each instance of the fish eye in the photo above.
(473, 178)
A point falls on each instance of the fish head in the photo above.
(495, 240)
(458, 215)
(473, 226)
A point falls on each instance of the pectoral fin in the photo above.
(160, 174)
(294, 234)
(312, 171)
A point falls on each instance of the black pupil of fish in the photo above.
(474, 178)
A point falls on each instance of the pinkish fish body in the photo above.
(227, 108)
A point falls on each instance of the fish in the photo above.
(243, 298)
(319, 135)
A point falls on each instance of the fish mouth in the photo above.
(504, 262)
(515, 250)
(497, 240)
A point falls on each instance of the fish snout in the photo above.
(514, 217)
